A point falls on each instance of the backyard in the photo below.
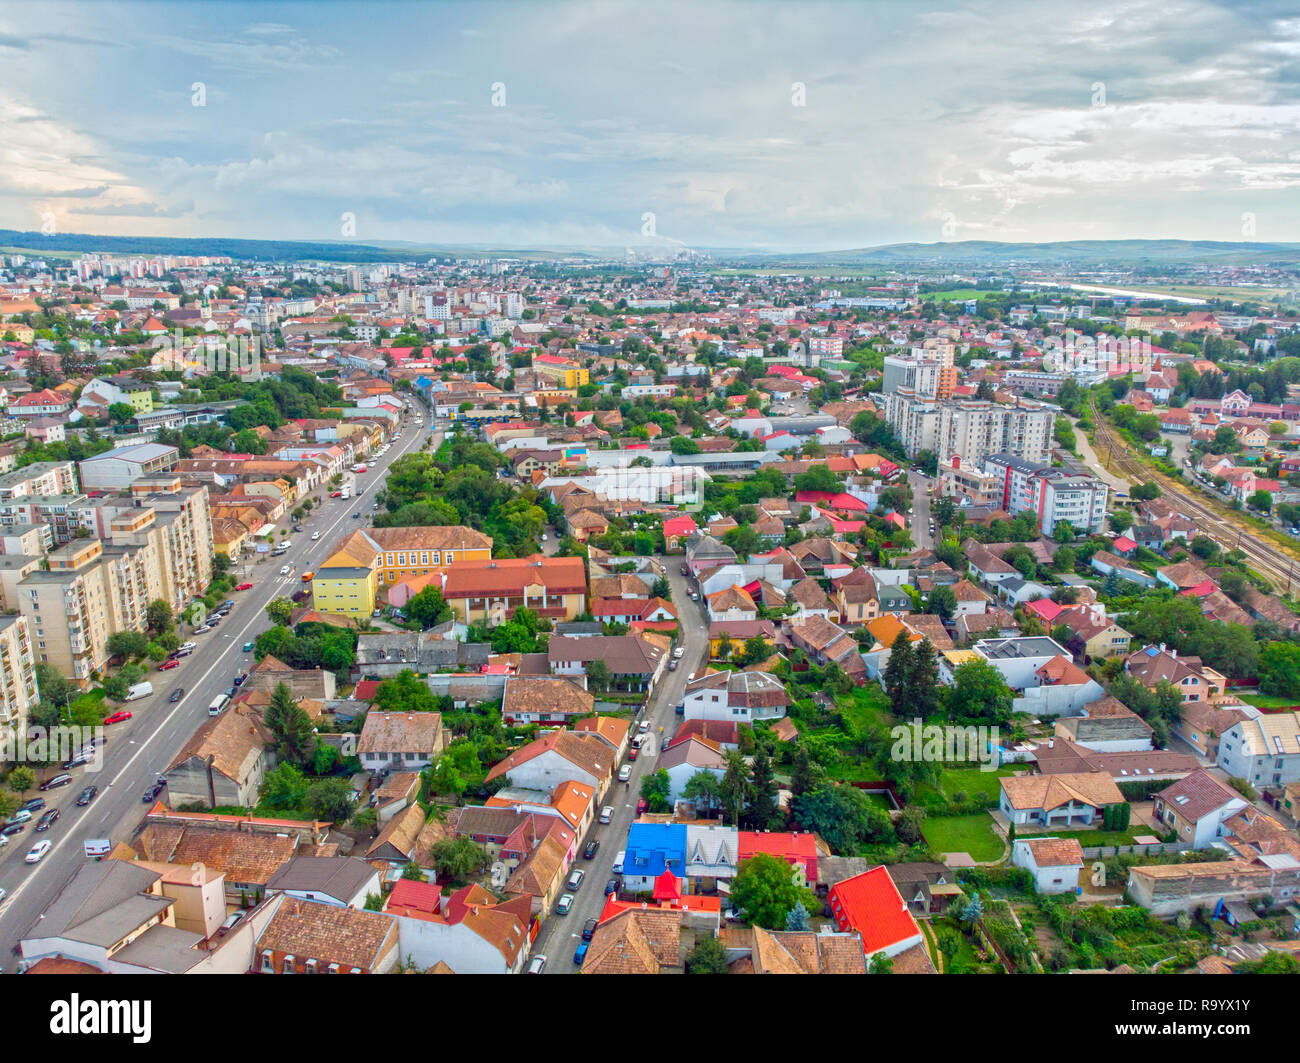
(971, 834)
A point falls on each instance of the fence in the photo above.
(1158, 849)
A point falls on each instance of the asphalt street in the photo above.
(561, 934)
(145, 745)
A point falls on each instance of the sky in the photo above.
(762, 125)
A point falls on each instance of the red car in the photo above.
(118, 717)
(166, 665)
(641, 806)
(633, 753)
(336, 494)
(244, 587)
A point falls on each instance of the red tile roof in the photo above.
(871, 904)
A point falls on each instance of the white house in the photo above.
(1055, 863)
(736, 697)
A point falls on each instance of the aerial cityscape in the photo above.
(666, 515)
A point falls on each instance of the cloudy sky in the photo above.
(765, 125)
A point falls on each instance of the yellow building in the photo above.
(348, 581)
(409, 552)
(565, 372)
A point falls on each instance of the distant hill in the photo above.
(1065, 252)
(967, 253)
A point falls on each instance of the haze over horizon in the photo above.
(913, 123)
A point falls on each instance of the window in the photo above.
(287, 966)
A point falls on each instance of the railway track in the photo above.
(1279, 568)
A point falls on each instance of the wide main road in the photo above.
(561, 934)
(140, 748)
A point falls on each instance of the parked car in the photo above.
(118, 717)
(176, 695)
(10, 829)
(618, 862)
(86, 796)
(575, 879)
(248, 647)
(643, 726)
(625, 773)
(47, 821)
(672, 665)
(23, 815)
(231, 922)
(588, 929)
(152, 793)
(607, 813)
(167, 666)
(37, 851)
(537, 964)
(56, 782)
(244, 587)
(611, 887)
(241, 678)
(632, 754)
(565, 903)
(641, 806)
(336, 494)
(590, 850)
(580, 953)
(678, 652)
(34, 804)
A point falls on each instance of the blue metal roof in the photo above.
(653, 848)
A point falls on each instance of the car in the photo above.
(285, 569)
(672, 665)
(607, 813)
(681, 708)
(176, 695)
(10, 829)
(611, 887)
(643, 726)
(315, 536)
(56, 782)
(248, 647)
(356, 515)
(565, 903)
(625, 773)
(23, 815)
(590, 850)
(47, 821)
(181, 654)
(537, 964)
(204, 629)
(239, 679)
(244, 587)
(37, 851)
(231, 922)
(695, 596)
(633, 753)
(589, 928)
(543, 537)
(231, 692)
(336, 494)
(81, 759)
(733, 915)
(297, 527)
(34, 804)
(86, 796)
(686, 570)
(575, 880)
(678, 652)
(167, 666)
(617, 866)
(641, 806)
(187, 647)
(152, 793)
(118, 717)
(580, 953)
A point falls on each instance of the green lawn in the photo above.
(972, 781)
(963, 834)
(865, 706)
(1090, 838)
(1268, 701)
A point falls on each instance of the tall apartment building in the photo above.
(968, 429)
(156, 547)
(18, 691)
(1053, 495)
(930, 371)
(39, 478)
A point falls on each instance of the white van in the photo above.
(96, 847)
(218, 703)
(140, 690)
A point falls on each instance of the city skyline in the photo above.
(816, 127)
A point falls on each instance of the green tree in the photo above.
(943, 602)
(979, 695)
(708, 957)
(21, 779)
(703, 791)
(406, 692)
(844, 816)
(428, 608)
(159, 616)
(765, 890)
(280, 611)
(655, 789)
(290, 726)
(598, 674)
(457, 859)
(763, 811)
(284, 789)
(1279, 669)
(127, 644)
(734, 787)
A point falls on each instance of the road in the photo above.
(919, 521)
(561, 934)
(145, 745)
